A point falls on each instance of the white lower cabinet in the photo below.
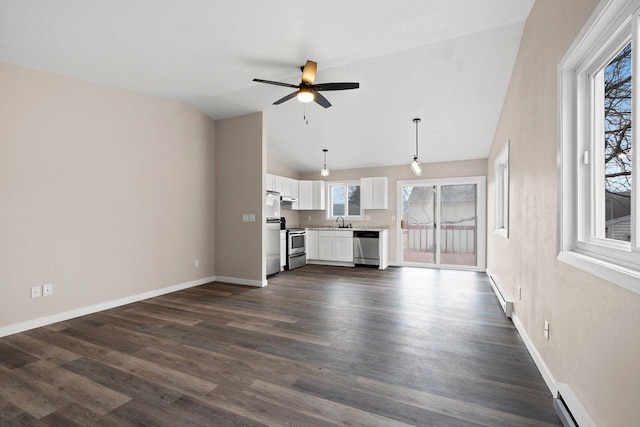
(312, 244)
(283, 249)
(344, 249)
(326, 247)
(335, 245)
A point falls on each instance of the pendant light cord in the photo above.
(416, 121)
(416, 139)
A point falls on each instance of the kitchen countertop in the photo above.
(363, 228)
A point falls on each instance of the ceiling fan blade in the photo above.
(286, 98)
(336, 86)
(309, 72)
(270, 82)
(321, 100)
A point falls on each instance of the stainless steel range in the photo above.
(296, 248)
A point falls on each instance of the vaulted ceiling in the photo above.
(447, 62)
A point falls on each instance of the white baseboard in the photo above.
(578, 411)
(332, 263)
(245, 282)
(83, 311)
(505, 302)
(575, 406)
(537, 358)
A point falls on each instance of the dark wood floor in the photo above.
(319, 346)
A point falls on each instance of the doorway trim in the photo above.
(481, 212)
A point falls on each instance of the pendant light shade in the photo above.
(324, 171)
(415, 167)
(415, 164)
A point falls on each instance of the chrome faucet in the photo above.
(342, 221)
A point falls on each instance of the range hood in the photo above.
(288, 199)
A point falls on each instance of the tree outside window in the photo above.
(617, 146)
(344, 200)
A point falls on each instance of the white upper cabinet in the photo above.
(374, 193)
(311, 195)
(318, 195)
(295, 193)
(271, 182)
(305, 195)
(280, 185)
(287, 187)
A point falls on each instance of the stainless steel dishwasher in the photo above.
(366, 249)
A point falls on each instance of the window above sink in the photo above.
(344, 200)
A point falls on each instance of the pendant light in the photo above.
(324, 171)
(415, 164)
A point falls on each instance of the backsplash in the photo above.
(377, 218)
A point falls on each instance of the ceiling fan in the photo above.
(306, 90)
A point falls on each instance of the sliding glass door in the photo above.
(442, 223)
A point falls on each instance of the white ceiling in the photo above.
(447, 62)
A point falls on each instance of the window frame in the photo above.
(501, 192)
(346, 185)
(611, 26)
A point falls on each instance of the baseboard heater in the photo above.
(507, 306)
(563, 412)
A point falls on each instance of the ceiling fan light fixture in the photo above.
(305, 95)
(307, 91)
(324, 171)
(416, 168)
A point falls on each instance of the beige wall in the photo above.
(240, 189)
(277, 167)
(594, 345)
(381, 217)
(105, 193)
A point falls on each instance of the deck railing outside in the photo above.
(454, 238)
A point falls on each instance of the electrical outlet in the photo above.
(367, 217)
(546, 329)
(196, 263)
(393, 217)
(519, 293)
(309, 217)
(47, 290)
(36, 291)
